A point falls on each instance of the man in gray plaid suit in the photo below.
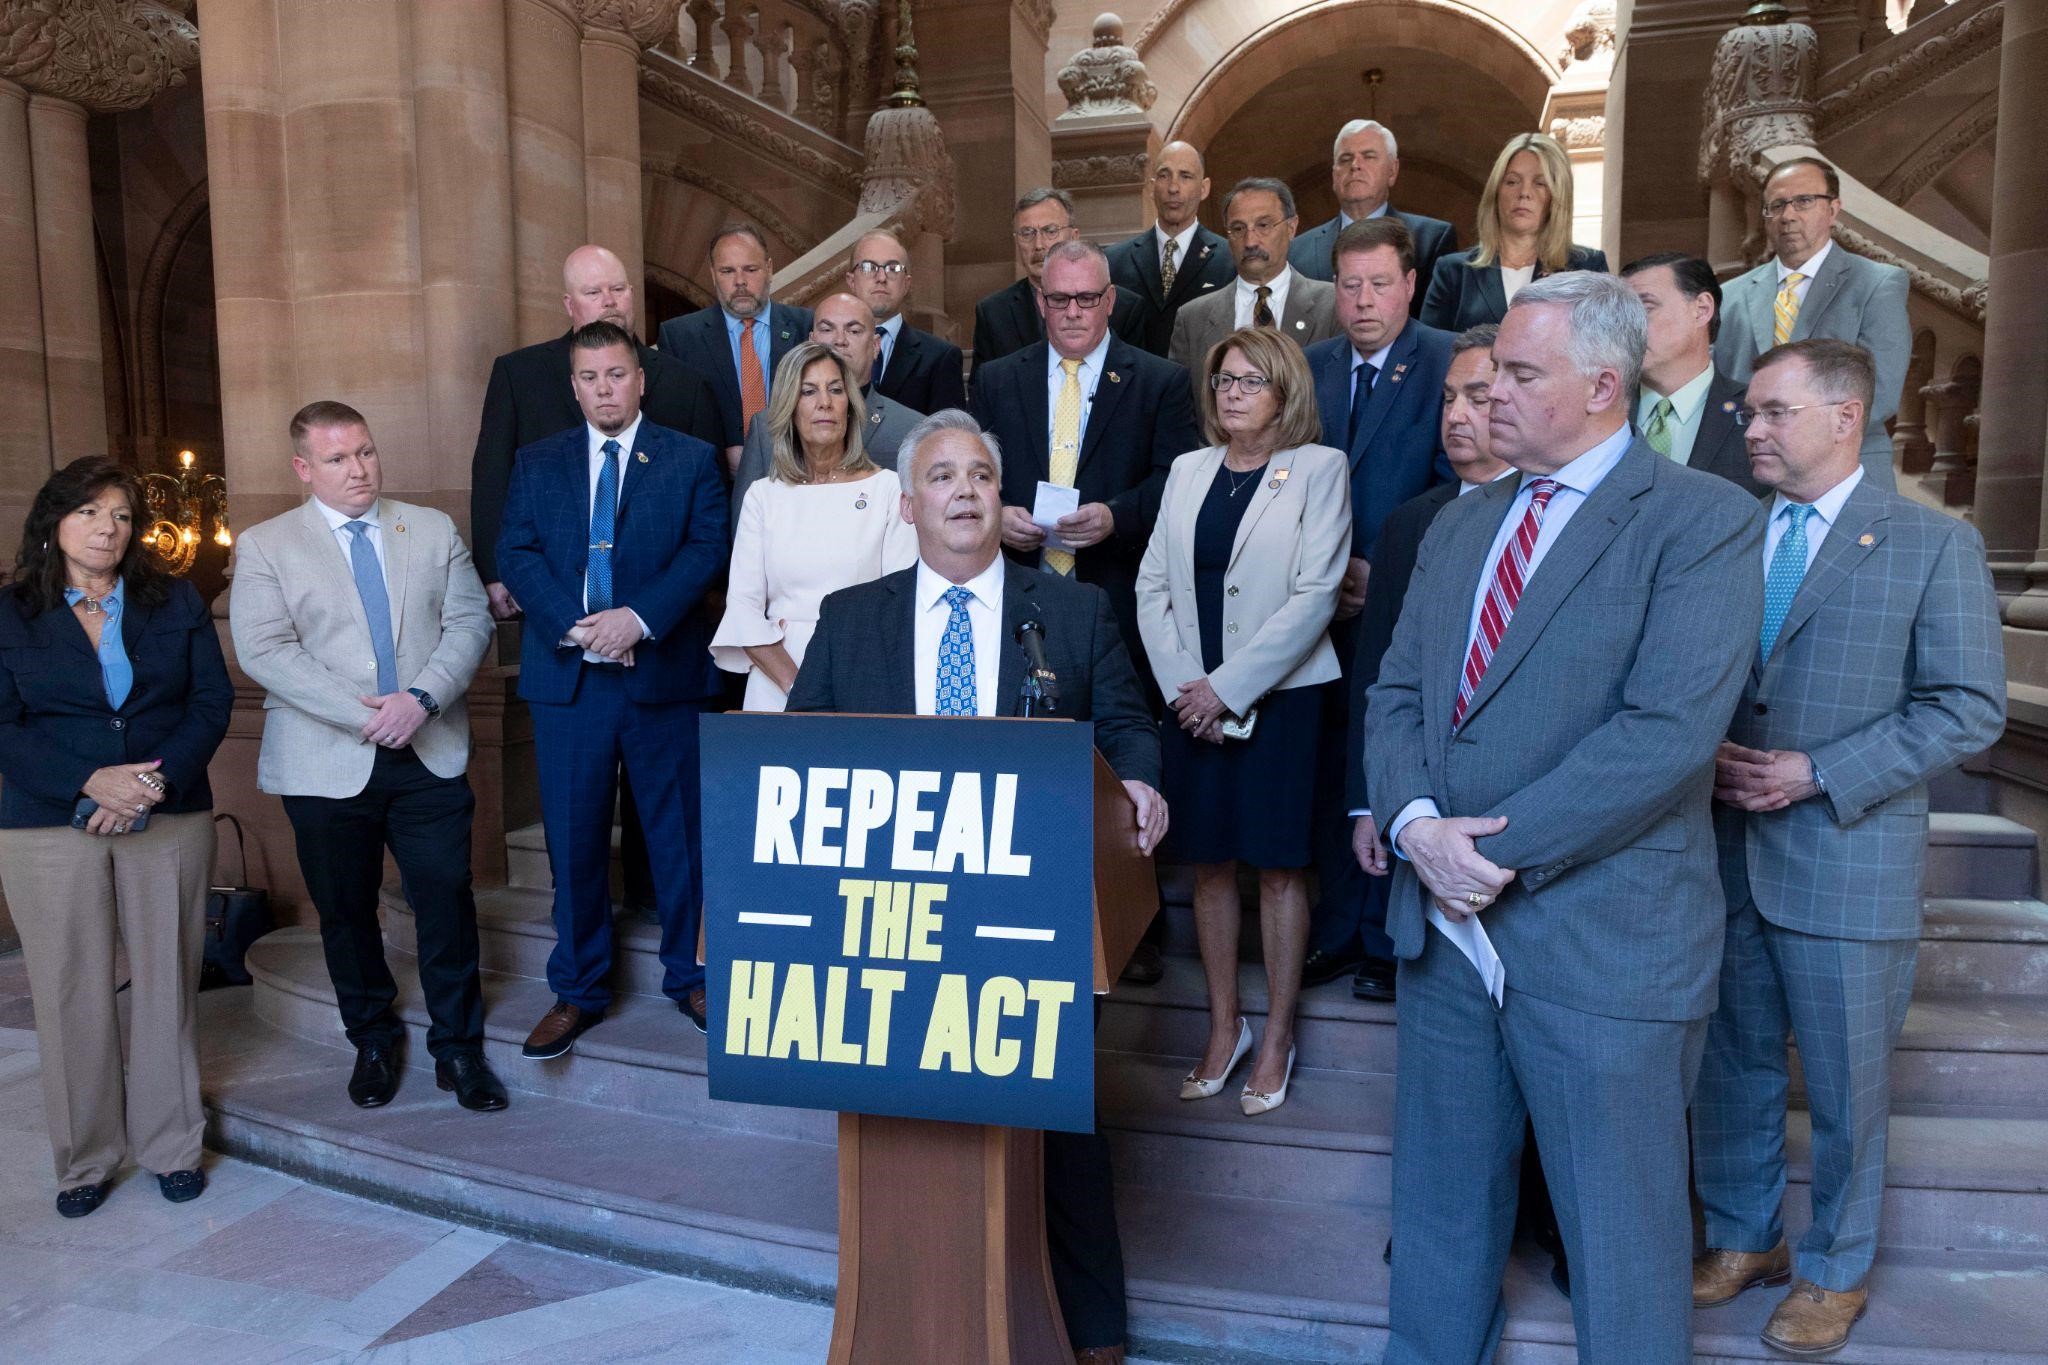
(1879, 664)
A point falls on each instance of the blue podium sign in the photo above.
(899, 916)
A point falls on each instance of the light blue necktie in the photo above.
(1788, 570)
(954, 695)
(604, 517)
(369, 576)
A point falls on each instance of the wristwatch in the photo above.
(426, 700)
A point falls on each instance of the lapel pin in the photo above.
(1728, 405)
(860, 502)
(400, 528)
(1301, 324)
(875, 417)
(1865, 539)
(1115, 378)
(1280, 476)
(642, 455)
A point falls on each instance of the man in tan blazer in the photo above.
(364, 619)
(1259, 219)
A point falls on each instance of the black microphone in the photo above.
(1041, 691)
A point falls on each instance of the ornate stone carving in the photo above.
(1964, 300)
(1927, 57)
(836, 173)
(1095, 172)
(646, 22)
(909, 173)
(1038, 14)
(1588, 133)
(1759, 95)
(1588, 34)
(1926, 165)
(1107, 77)
(107, 55)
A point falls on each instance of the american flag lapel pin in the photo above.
(1399, 370)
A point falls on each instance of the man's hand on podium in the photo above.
(1151, 815)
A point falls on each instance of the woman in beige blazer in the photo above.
(1235, 596)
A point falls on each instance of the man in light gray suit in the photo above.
(1813, 287)
(1879, 665)
(1259, 220)
(364, 620)
(847, 325)
(1542, 736)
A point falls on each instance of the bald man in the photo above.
(530, 398)
(920, 370)
(1176, 259)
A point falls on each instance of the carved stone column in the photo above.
(614, 34)
(1949, 406)
(544, 47)
(1909, 425)
(1103, 145)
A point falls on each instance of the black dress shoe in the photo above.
(80, 1200)
(181, 1186)
(692, 1007)
(469, 1076)
(1375, 980)
(1145, 967)
(1322, 966)
(375, 1079)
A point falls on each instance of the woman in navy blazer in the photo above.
(113, 697)
(1525, 233)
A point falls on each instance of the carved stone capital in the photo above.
(107, 55)
(1038, 14)
(646, 22)
(1585, 134)
(1107, 77)
(1099, 172)
(1760, 95)
(908, 170)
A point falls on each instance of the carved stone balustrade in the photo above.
(1951, 405)
(810, 59)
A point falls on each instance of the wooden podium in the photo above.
(942, 1252)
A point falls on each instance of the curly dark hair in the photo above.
(38, 581)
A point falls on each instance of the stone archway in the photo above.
(1262, 86)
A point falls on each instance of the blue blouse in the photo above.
(117, 674)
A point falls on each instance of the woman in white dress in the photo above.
(825, 518)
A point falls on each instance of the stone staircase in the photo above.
(1251, 1240)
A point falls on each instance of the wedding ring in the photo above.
(142, 810)
(1474, 899)
(121, 828)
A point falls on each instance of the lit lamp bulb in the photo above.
(221, 537)
(185, 458)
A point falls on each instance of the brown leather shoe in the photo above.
(1719, 1275)
(558, 1031)
(1813, 1321)
(1099, 1355)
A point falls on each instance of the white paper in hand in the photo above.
(1054, 501)
(1471, 940)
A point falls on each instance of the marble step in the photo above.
(1211, 1276)
(1979, 855)
(1995, 946)
(1975, 1180)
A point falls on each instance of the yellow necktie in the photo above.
(1065, 457)
(1787, 308)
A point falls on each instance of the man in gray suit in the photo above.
(1542, 738)
(1259, 220)
(1879, 665)
(1813, 287)
(364, 620)
(847, 325)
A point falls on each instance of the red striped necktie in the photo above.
(1510, 574)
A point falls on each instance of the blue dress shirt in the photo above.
(117, 674)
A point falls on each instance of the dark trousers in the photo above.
(1081, 1238)
(636, 870)
(580, 745)
(424, 820)
(1351, 908)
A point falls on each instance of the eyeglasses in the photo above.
(1049, 235)
(1265, 227)
(1058, 302)
(1223, 381)
(879, 268)
(1798, 203)
(1775, 416)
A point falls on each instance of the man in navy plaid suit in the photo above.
(1878, 665)
(613, 531)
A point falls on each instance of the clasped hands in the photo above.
(612, 633)
(1762, 779)
(1462, 880)
(1200, 711)
(122, 792)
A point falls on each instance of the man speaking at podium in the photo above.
(946, 637)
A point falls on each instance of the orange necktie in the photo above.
(753, 388)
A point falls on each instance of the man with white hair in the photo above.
(1364, 164)
(1540, 747)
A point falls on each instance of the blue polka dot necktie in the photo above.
(1788, 570)
(604, 516)
(954, 695)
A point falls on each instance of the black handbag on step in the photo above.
(236, 916)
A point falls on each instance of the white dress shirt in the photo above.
(1056, 379)
(337, 522)
(1184, 241)
(1688, 401)
(596, 440)
(1808, 270)
(1276, 300)
(1827, 508)
(984, 617)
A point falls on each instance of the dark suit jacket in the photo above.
(1311, 252)
(530, 397)
(1462, 295)
(926, 373)
(1007, 321)
(861, 658)
(670, 546)
(57, 730)
(1143, 416)
(1134, 270)
(1718, 447)
(698, 340)
(1398, 450)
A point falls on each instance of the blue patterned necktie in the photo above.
(954, 695)
(1788, 570)
(604, 516)
(369, 576)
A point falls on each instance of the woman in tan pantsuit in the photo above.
(113, 697)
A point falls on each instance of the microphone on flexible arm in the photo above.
(1041, 690)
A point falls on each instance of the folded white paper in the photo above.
(1055, 500)
(1471, 940)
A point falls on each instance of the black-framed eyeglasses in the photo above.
(1798, 203)
(1774, 416)
(879, 268)
(1093, 299)
(1247, 384)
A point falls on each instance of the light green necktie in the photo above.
(1658, 430)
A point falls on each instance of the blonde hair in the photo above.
(787, 460)
(1554, 238)
(1285, 368)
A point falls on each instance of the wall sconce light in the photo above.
(180, 505)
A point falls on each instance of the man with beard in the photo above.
(739, 340)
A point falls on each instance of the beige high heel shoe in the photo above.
(1194, 1087)
(1256, 1102)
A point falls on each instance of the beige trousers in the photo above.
(74, 895)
